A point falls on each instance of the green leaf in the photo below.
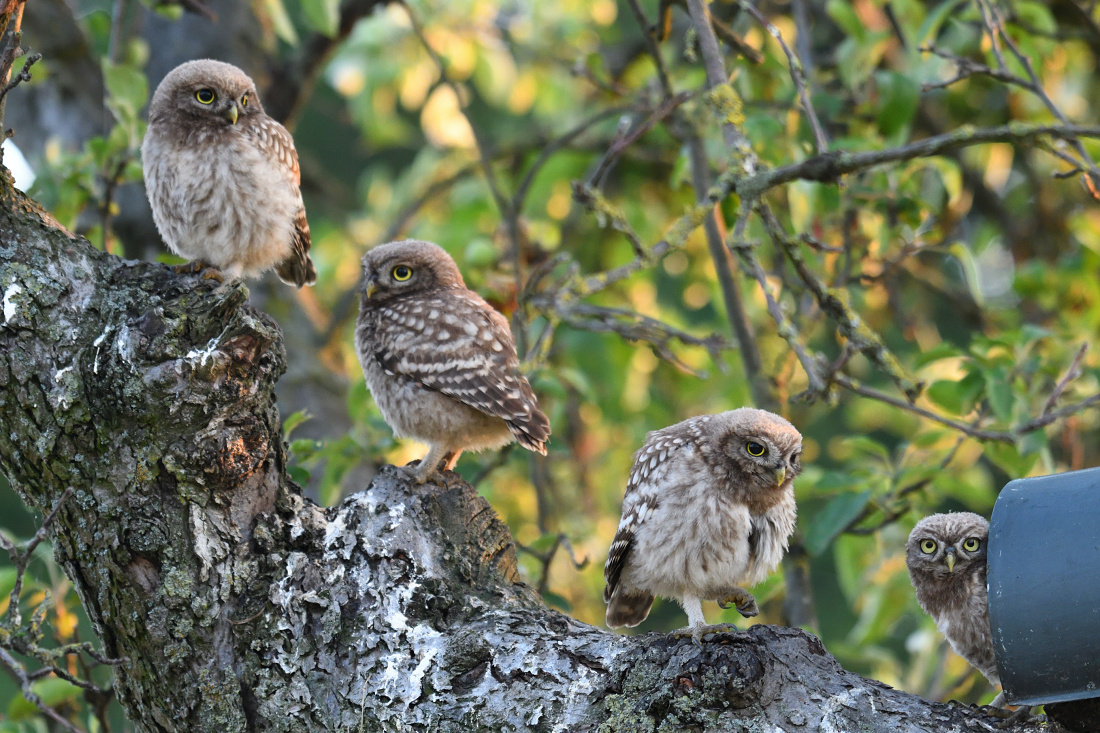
(127, 90)
(294, 420)
(930, 28)
(844, 15)
(897, 101)
(940, 351)
(480, 253)
(7, 582)
(323, 16)
(946, 394)
(53, 691)
(833, 518)
(1035, 15)
(1010, 460)
(998, 391)
(861, 444)
(280, 21)
(299, 474)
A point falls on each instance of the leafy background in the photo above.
(976, 268)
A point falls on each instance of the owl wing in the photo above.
(457, 344)
(276, 142)
(642, 498)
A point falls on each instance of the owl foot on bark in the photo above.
(698, 632)
(1011, 717)
(744, 601)
(208, 272)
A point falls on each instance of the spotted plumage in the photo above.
(440, 361)
(709, 507)
(222, 177)
(946, 557)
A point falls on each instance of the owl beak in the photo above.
(231, 113)
(949, 558)
(371, 287)
(780, 475)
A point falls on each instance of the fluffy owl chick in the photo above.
(709, 508)
(222, 177)
(946, 555)
(439, 361)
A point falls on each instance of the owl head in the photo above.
(409, 266)
(206, 93)
(943, 546)
(760, 447)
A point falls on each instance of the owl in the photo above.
(439, 361)
(945, 555)
(709, 508)
(222, 177)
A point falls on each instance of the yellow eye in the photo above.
(244, 101)
(402, 273)
(206, 96)
(972, 544)
(928, 546)
(755, 449)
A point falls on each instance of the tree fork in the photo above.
(240, 605)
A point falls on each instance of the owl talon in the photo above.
(744, 601)
(1010, 718)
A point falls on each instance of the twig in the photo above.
(651, 46)
(21, 559)
(835, 303)
(547, 557)
(621, 143)
(831, 166)
(30, 695)
(1070, 374)
(783, 326)
(796, 75)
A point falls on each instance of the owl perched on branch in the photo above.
(439, 361)
(946, 557)
(709, 508)
(222, 177)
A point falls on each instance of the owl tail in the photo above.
(298, 269)
(628, 608)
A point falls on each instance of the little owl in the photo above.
(222, 177)
(946, 559)
(709, 507)
(439, 361)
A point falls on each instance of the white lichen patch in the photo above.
(206, 354)
(97, 345)
(10, 306)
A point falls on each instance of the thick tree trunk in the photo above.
(242, 606)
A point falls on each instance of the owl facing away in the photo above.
(709, 508)
(946, 557)
(440, 361)
(222, 177)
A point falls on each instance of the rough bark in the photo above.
(243, 606)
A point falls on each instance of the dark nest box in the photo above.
(1044, 589)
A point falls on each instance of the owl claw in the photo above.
(208, 272)
(744, 601)
(1010, 717)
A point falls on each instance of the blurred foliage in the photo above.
(977, 268)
